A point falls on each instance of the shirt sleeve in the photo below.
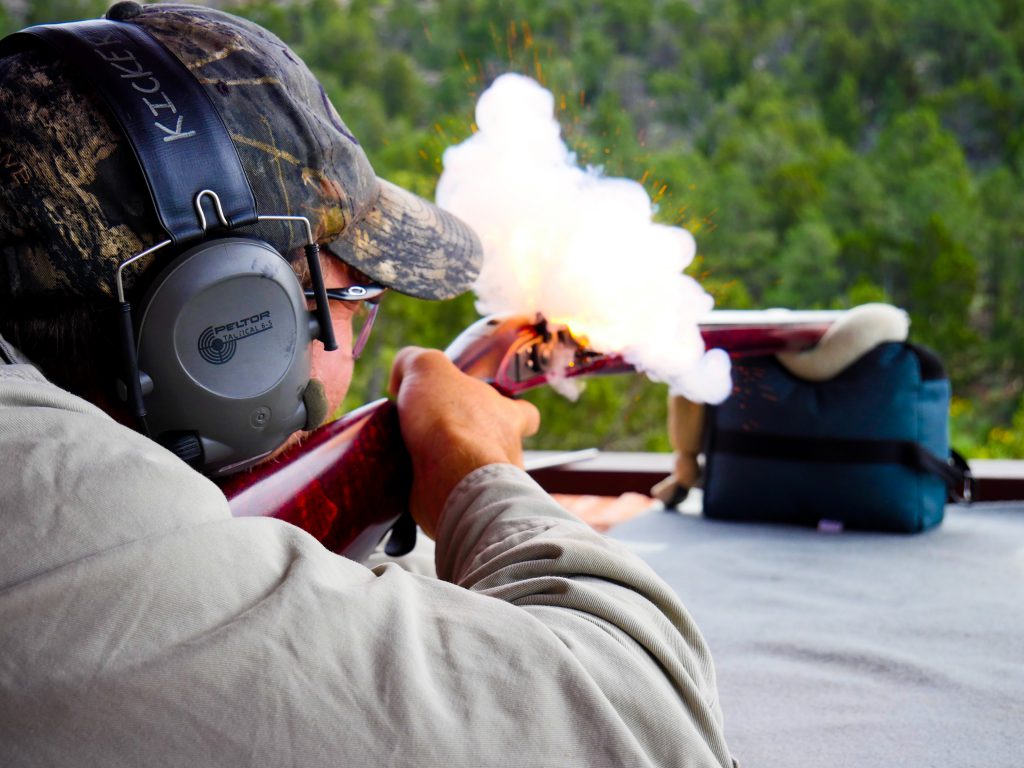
(501, 535)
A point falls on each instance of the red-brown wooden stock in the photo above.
(348, 482)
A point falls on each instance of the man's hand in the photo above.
(452, 424)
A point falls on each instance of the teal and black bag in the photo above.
(867, 449)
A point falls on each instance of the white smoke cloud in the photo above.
(576, 246)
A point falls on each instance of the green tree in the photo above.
(924, 248)
(1001, 262)
(807, 266)
(823, 153)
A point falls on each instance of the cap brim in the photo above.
(412, 246)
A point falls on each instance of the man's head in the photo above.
(74, 203)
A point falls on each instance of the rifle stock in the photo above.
(346, 484)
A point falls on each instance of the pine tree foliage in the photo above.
(823, 152)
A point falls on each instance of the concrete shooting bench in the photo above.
(847, 649)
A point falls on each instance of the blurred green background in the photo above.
(824, 153)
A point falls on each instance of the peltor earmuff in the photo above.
(223, 333)
(216, 355)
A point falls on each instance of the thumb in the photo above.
(401, 367)
(529, 417)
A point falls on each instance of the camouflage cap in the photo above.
(73, 202)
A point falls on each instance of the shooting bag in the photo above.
(867, 448)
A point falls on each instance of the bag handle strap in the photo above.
(962, 486)
(954, 472)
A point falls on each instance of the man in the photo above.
(141, 624)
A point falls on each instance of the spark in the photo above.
(495, 37)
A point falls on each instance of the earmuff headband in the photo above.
(180, 142)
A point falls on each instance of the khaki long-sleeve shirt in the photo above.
(140, 624)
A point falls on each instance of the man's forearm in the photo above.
(502, 536)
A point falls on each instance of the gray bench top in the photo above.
(857, 649)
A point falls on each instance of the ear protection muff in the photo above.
(223, 335)
(218, 367)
